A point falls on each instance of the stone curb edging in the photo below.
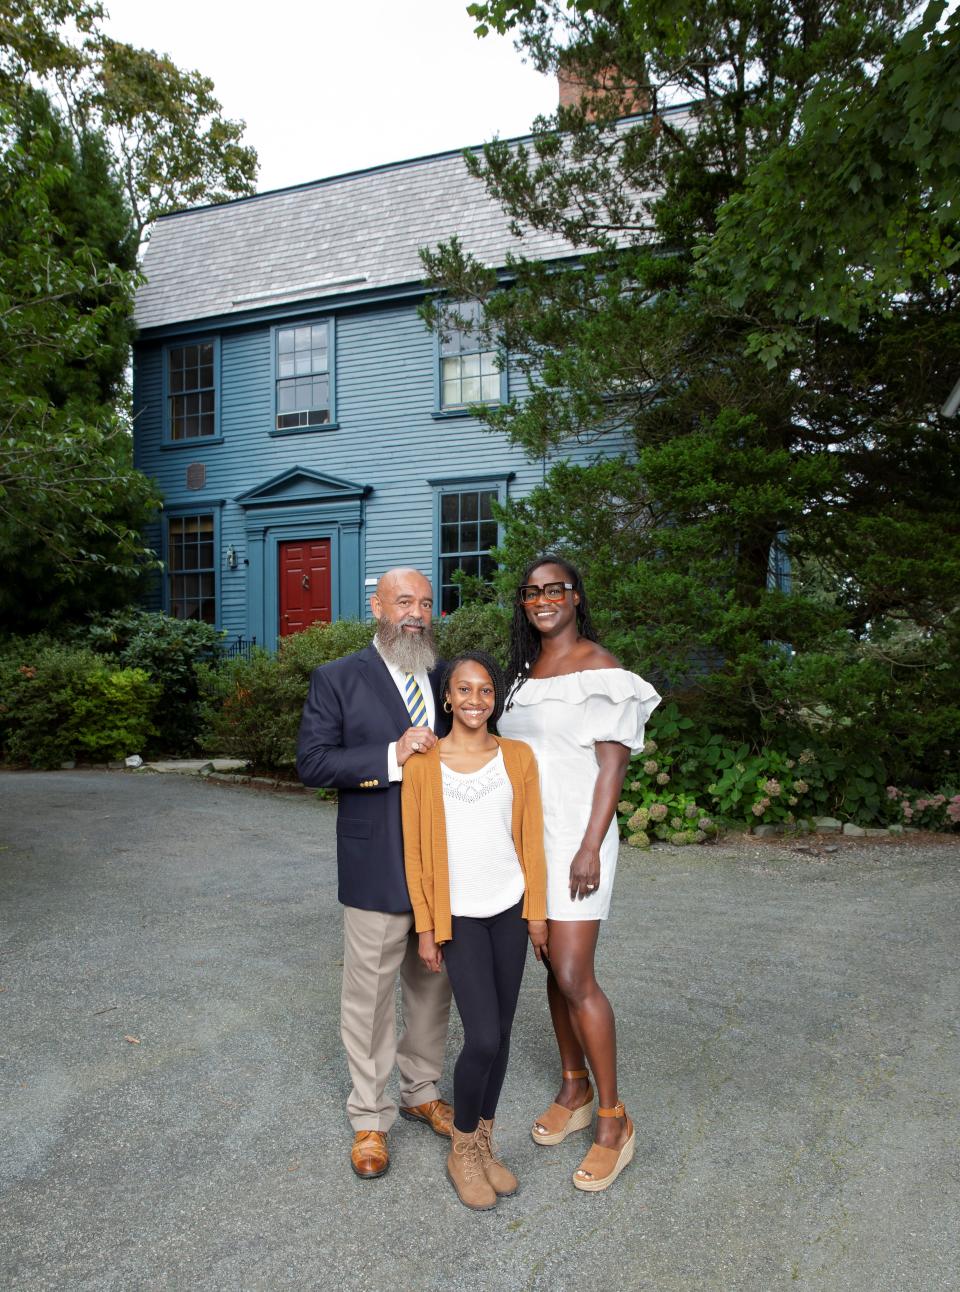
(270, 782)
(208, 771)
(830, 825)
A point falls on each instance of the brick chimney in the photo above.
(573, 89)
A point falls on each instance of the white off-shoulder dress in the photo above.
(561, 719)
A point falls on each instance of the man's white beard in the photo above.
(409, 652)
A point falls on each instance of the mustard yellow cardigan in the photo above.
(425, 836)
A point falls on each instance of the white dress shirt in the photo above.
(394, 770)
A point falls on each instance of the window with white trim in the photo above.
(469, 371)
(303, 376)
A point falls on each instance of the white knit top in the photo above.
(485, 873)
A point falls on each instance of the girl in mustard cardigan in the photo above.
(473, 845)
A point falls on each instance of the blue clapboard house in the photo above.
(306, 429)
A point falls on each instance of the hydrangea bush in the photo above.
(655, 813)
(688, 780)
(940, 811)
(677, 792)
(766, 788)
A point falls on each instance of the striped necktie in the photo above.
(416, 705)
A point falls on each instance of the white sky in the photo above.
(333, 86)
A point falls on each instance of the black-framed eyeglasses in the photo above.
(550, 591)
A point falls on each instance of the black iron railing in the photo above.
(242, 648)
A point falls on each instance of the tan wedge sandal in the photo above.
(602, 1165)
(559, 1122)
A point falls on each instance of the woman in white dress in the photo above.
(582, 714)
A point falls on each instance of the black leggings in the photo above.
(484, 963)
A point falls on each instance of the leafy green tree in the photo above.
(885, 167)
(170, 145)
(34, 43)
(173, 147)
(837, 456)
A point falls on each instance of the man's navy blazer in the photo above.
(352, 712)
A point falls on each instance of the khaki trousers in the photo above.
(376, 948)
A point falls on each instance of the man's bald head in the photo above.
(403, 576)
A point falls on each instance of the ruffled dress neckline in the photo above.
(617, 684)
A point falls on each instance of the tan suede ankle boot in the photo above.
(466, 1173)
(503, 1180)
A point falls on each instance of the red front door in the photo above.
(304, 585)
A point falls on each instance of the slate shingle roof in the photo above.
(352, 233)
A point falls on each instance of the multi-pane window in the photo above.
(467, 533)
(191, 391)
(468, 372)
(190, 569)
(303, 376)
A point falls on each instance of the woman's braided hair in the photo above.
(525, 639)
(495, 673)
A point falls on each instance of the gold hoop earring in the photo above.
(447, 707)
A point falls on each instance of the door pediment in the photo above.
(299, 485)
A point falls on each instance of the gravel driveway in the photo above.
(173, 1084)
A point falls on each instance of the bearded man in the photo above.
(364, 717)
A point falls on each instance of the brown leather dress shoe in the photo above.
(437, 1114)
(369, 1156)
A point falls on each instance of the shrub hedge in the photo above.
(138, 682)
(171, 652)
(68, 703)
(125, 683)
(689, 777)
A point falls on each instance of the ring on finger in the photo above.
(415, 746)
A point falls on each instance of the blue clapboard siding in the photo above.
(387, 439)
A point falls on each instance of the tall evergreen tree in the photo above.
(834, 454)
(71, 504)
(96, 140)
